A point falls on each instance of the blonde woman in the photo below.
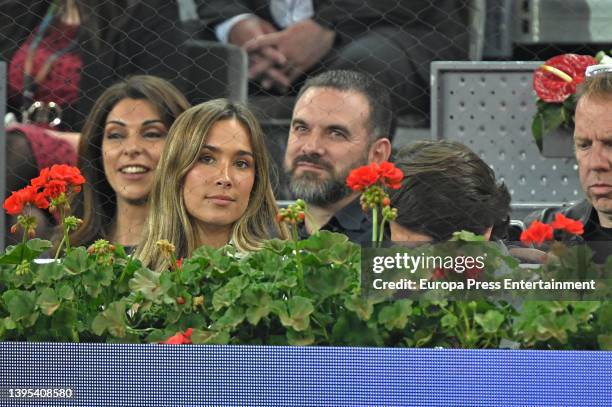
(212, 186)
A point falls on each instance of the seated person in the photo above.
(123, 138)
(212, 186)
(61, 55)
(394, 41)
(592, 138)
(447, 188)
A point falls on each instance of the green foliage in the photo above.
(58, 301)
(288, 293)
(552, 116)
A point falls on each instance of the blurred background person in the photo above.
(61, 55)
(122, 141)
(447, 188)
(392, 40)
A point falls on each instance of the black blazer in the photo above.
(143, 39)
(427, 29)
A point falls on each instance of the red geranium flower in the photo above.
(391, 175)
(558, 77)
(537, 233)
(67, 173)
(42, 179)
(363, 177)
(15, 203)
(181, 338)
(54, 188)
(572, 226)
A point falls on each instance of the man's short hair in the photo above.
(597, 86)
(381, 123)
(448, 188)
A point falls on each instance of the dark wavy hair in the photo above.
(448, 188)
(97, 204)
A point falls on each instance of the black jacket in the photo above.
(143, 38)
(434, 29)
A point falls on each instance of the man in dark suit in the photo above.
(392, 40)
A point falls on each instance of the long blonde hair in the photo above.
(168, 217)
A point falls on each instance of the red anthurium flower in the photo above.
(558, 77)
(537, 233)
(391, 175)
(181, 338)
(363, 177)
(572, 226)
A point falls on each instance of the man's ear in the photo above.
(380, 151)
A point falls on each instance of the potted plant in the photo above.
(555, 83)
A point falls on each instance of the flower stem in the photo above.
(374, 225)
(59, 248)
(298, 256)
(66, 239)
(381, 235)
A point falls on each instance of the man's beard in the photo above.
(317, 191)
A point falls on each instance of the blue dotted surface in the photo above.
(174, 375)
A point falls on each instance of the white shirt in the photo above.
(284, 12)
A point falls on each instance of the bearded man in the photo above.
(341, 120)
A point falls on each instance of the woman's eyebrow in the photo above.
(144, 123)
(217, 149)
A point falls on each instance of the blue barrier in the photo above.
(175, 375)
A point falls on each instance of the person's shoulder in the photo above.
(579, 211)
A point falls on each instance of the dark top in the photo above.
(350, 221)
(435, 29)
(141, 38)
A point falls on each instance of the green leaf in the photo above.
(326, 282)
(467, 236)
(349, 330)
(294, 313)
(299, 338)
(361, 306)
(77, 261)
(9, 323)
(449, 321)
(64, 324)
(230, 319)
(258, 302)
(20, 304)
(48, 273)
(395, 316)
(146, 282)
(112, 319)
(28, 251)
(537, 130)
(201, 337)
(229, 293)
(47, 301)
(490, 321)
(323, 240)
(66, 292)
(96, 278)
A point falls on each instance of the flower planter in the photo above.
(558, 143)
